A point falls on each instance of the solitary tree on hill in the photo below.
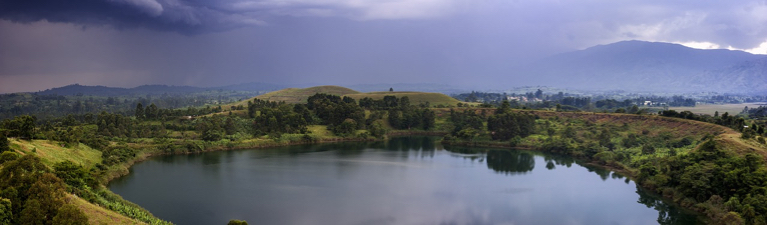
(391, 89)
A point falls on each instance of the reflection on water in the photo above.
(409, 180)
(667, 214)
(510, 162)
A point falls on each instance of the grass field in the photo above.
(733, 109)
(416, 98)
(51, 152)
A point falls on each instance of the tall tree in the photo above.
(428, 119)
(152, 111)
(69, 214)
(394, 118)
(139, 111)
(33, 214)
(508, 125)
(504, 107)
(4, 143)
(5, 211)
(49, 191)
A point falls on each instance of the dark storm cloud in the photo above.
(741, 24)
(134, 42)
(187, 17)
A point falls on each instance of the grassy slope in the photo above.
(675, 128)
(298, 95)
(99, 215)
(733, 109)
(52, 152)
(415, 97)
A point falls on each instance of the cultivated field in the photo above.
(733, 109)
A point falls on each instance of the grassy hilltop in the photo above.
(416, 98)
(299, 95)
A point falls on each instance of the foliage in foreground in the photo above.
(31, 194)
(727, 187)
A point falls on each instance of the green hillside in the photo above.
(416, 98)
(298, 95)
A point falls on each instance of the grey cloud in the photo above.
(164, 15)
(466, 42)
(741, 24)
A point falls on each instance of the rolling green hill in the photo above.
(297, 95)
(415, 97)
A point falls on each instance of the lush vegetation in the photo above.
(81, 152)
(754, 129)
(32, 194)
(690, 162)
(78, 153)
(51, 106)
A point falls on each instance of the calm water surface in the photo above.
(410, 180)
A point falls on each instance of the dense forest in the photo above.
(51, 106)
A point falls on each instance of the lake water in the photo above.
(408, 180)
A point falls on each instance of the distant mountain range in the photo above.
(77, 89)
(650, 67)
(632, 66)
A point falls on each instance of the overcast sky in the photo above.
(126, 43)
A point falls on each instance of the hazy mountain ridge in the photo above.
(633, 66)
(650, 66)
(744, 77)
(77, 89)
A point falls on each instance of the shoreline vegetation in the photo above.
(114, 174)
(700, 163)
(717, 146)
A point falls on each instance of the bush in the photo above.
(377, 129)
(69, 214)
(648, 150)
(8, 156)
(346, 128)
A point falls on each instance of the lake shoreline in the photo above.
(125, 167)
(500, 161)
(620, 169)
